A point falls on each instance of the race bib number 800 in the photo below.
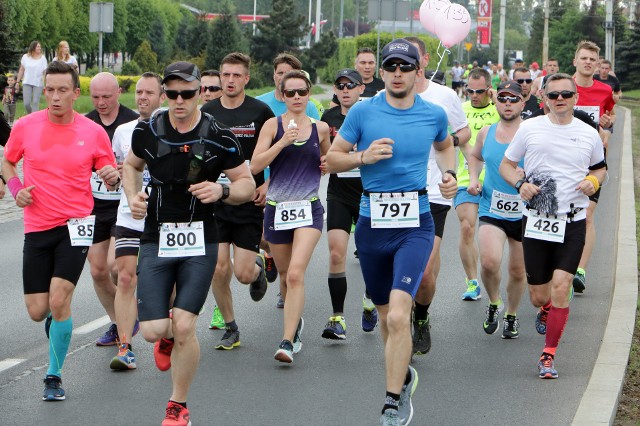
(395, 210)
(181, 240)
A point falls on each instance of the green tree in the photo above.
(225, 36)
(145, 57)
(140, 15)
(281, 32)
(9, 53)
(628, 59)
(319, 54)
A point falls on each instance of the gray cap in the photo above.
(353, 75)
(401, 49)
(183, 70)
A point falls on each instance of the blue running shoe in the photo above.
(541, 321)
(405, 407)
(473, 291)
(369, 320)
(53, 389)
(390, 418)
(284, 352)
(125, 360)
(491, 323)
(47, 324)
(545, 367)
(109, 338)
(336, 329)
(280, 302)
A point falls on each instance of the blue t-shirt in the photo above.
(279, 107)
(413, 131)
(493, 153)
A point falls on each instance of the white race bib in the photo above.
(81, 230)
(395, 210)
(181, 239)
(593, 111)
(505, 205)
(353, 173)
(541, 227)
(293, 214)
(99, 189)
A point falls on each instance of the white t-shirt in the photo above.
(72, 61)
(450, 102)
(33, 70)
(559, 155)
(121, 145)
(457, 73)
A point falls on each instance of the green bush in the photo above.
(124, 81)
(84, 84)
(131, 68)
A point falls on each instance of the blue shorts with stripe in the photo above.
(393, 258)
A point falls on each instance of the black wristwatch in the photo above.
(518, 185)
(225, 191)
(452, 173)
(456, 140)
(2, 179)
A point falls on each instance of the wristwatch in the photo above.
(456, 140)
(452, 173)
(518, 185)
(2, 179)
(225, 191)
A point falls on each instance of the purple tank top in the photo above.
(295, 172)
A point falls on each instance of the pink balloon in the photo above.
(452, 24)
(428, 11)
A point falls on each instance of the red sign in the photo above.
(484, 23)
(484, 8)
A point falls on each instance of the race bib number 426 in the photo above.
(181, 240)
(545, 228)
(395, 210)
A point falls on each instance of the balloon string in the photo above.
(441, 55)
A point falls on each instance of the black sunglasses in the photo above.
(476, 91)
(211, 88)
(404, 67)
(350, 85)
(186, 94)
(512, 99)
(566, 94)
(524, 80)
(290, 93)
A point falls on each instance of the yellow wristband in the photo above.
(594, 181)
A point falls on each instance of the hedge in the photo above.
(126, 82)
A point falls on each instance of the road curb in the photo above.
(599, 402)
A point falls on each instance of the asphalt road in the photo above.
(467, 378)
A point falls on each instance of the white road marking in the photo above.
(93, 325)
(9, 363)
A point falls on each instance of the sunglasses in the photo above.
(404, 67)
(290, 93)
(476, 92)
(350, 85)
(566, 94)
(512, 99)
(186, 94)
(212, 89)
(524, 80)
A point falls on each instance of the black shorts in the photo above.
(286, 236)
(341, 215)
(245, 236)
(511, 228)
(127, 241)
(595, 197)
(541, 258)
(157, 276)
(105, 226)
(456, 84)
(48, 254)
(439, 214)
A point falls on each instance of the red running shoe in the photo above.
(162, 354)
(176, 415)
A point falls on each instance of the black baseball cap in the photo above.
(183, 70)
(512, 87)
(353, 75)
(401, 49)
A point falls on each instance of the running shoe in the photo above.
(258, 288)
(53, 389)
(230, 340)
(510, 326)
(271, 271)
(421, 337)
(47, 324)
(541, 321)
(405, 407)
(297, 342)
(355, 253)
(125, 360)
(284, 352)
(109, 338)
(217, 321)
(336, 328)
(473, 291)
(369, 315)
(176, 415)
(280, 302)
(390, 418)
(162, 353)
(490, 325)
(545, 367)
(579, 281)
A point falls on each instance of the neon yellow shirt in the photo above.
(477, 118)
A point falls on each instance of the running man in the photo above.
(564, 165)
(57, 202)
(185, 151)
(500, 212)
(149, 96)
(239, 225)
(395, 231)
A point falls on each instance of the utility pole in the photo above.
(341, 29)
(608, 27)
(503, 14)
(318, 13)
(545, 35)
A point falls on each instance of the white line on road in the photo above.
(10, 362)
(93, 325)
